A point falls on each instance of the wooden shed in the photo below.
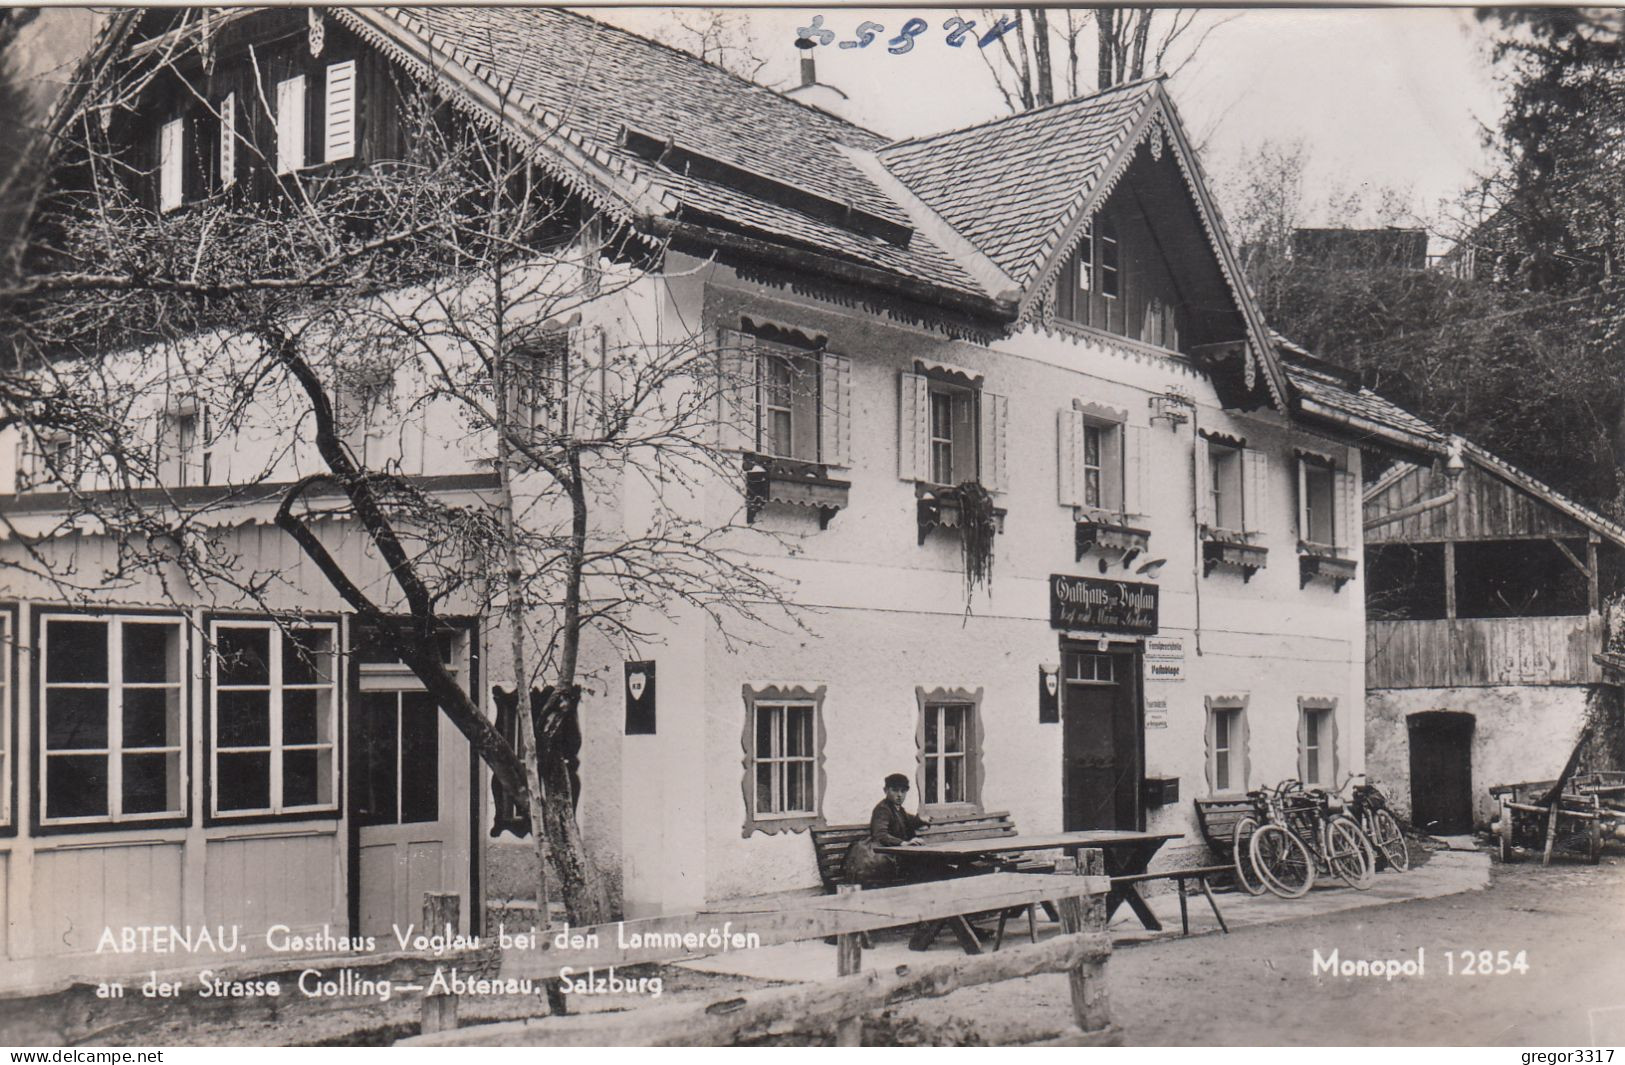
(1485, 591)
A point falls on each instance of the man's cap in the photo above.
(897, 780)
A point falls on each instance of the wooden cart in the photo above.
(1550, 814)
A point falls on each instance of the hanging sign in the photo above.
(1049, 700)
(1156, 713)
(640, 698)
(1098, 604)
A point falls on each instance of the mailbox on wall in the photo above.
(1160, 791)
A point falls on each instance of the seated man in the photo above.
(889, 826)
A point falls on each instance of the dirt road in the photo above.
(1256, 985)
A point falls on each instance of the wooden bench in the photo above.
(1217, 818)
(831, 842)
(1199, 874)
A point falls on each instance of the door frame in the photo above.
(470, 629)
(1461, 722)
(1122, 649)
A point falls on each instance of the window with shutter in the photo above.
(290, 124)
(340, 112)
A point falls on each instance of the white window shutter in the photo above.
(290, 124)
(171, 152)
(1069, 450)
(1303, 500)
(1255, 489)
(228, 140)
(1204, 485)
(736, 392)
(913, 425)
(1135, 460)
(835, 410)
(995, 429)
(340, 112)
(1347, 496)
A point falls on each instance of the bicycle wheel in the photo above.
(1241, 842)
(1389, 839)
(1282, 861)
(1349, 853)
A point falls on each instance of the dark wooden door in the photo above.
(1442, 772)
(1100, 742)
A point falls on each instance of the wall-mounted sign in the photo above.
(1164, 669)
(1165, 647)
(1049, 698)
(640, 698)
(1099, 604)
(1156, 713)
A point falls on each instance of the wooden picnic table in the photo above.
(1127, 854)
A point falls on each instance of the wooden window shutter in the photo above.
(994, 463)
(1346, 498)
(171, 154)
(1069, 453)
(1302, 482)
(290, 124)
(913, 424)
(1255, 489)
(339, 129)
(228, 140)
(835, 411)
(1135, 460)
(600, 386)
(736, 392)
(1303, 739)
(1204, 485)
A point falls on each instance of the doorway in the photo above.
(1102, 739)
(409, 789)
(1442, 772)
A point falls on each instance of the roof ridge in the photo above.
(1069, 102)
(692, 58)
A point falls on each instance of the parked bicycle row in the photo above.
(1294, 834)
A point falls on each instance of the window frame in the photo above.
(181, 465)
(1317, 466)
(1324, 708)
(964, 405)
(1234, 707)
(975, 738)
(276, 813)
(40, 825)
(773, 696)
(803, 383)
(1111, 272)
(1231, 454)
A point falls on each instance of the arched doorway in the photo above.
(1442, 772)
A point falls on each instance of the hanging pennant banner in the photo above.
(640, 698)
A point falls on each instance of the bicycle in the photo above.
(1241, 838)
(1281, 861)
(1326, 839)
(1369, 808)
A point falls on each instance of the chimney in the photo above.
(809, 70)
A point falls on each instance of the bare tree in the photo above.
(319, 337)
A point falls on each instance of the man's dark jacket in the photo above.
(891, 825)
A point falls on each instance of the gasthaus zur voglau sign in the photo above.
(1097, 604)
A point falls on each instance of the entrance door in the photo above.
(1442, 772)
(409, 781)
(1100, 741)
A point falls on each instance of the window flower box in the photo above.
(1239, 550)
(1323, 560)
(794, 483)
(1104, 532)
(942, 507)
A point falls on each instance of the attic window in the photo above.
(1110, 284)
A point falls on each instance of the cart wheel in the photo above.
(1241, 840)
(1282, 861)
(1506, 834)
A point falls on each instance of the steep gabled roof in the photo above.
(1328, 393)
(1542, 491)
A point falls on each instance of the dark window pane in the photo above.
(764, 731)
(764, 790)
(931, 716)
(931, 793)
(244, 655)
(151, 653)
(303, 714)
(300, 774)
(380, 746)
(1404, 582)
(420, 758)
(954, 780)
(75, 718)
(307, 656)
(150, 783)
(76, 786)
(244, 719)
(798, 783)
(76, 651)
(244, 781)
(1519, 578)
(798, 732)
(152, 717)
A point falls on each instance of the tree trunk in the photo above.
(1142, 31)
(579, 880)
(1044, 75)
(1105, 38)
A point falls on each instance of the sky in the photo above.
(1390, 97)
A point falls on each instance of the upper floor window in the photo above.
(112, 725)
(951, 431)
(1328, 503)
(185, 446)
(273, 733)
(1111, 284)
(1100, 459)
(336, 128)
(1224, 485)
(1233, 486)
(786, 402)
(49, 461)
(539, 386)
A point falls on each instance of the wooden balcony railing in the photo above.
(1481, 652)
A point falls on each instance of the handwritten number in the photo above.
(1000, 28)
(957, 28)
(866, 35)
(814, 35)
(903, 43)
